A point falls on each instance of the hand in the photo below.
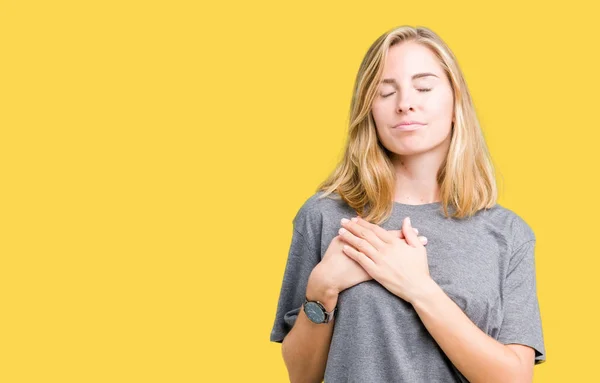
(336, 272)
(399, 265)
(400, 234)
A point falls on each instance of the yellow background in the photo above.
(153, 155)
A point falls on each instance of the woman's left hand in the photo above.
(400, 265)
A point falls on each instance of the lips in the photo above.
(408, 126)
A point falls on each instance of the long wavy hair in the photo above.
(365, 177)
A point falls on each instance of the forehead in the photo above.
(408, 58)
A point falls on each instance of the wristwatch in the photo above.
(315, 311)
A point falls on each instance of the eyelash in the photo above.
(420, 90)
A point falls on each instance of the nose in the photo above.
(406, 103)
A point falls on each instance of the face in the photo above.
(405, 94)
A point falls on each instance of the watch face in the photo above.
(314, 312)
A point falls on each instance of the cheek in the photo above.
(440, 107)
(377, 108)
(378, 113)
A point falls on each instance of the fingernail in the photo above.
(345, 220)
(408, 219)
(425, 239)
(416, 230)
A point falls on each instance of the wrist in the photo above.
(426, 292)
(317, 290)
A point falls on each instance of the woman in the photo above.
(367, 300)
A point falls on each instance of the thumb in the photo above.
(398, 233)
(409, 233)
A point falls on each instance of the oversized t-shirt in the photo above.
(484, 263)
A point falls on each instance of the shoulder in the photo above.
(318, 206)
(518, 231)
(317, 210)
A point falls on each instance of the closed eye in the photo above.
(420, 90)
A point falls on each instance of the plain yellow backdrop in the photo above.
(154, 153)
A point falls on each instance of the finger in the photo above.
(399, 233)
(409, 234)
(381, 233)
(363, 232)
(360, 244)
(366, 262)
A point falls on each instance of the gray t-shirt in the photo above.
(484, 263)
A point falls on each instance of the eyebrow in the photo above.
(418, 75)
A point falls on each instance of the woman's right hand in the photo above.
(336, 272)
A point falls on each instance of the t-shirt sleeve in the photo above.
(302, 258)
(521, 322)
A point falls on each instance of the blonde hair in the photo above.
(365, 177)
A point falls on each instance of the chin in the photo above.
(409, 150)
